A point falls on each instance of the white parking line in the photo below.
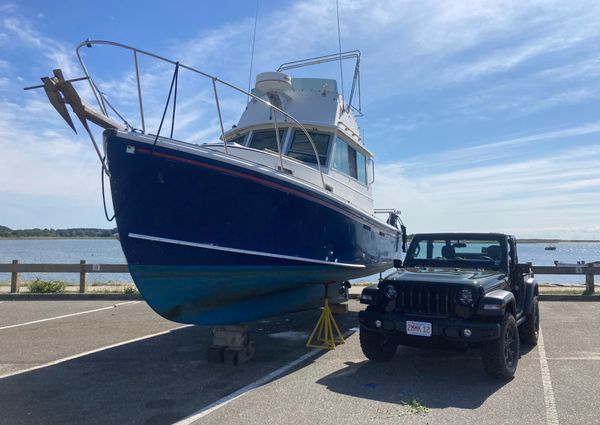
(68, 315)
(593, 358)
(551, 413)
(76, 356)
(239, 393)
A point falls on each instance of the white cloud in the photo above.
(22, 34)
(44, 160)
(588, 68)
(489, 152)
(527, 194)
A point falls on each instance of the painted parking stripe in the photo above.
(248, 388)
(68, 315)
(551, 413)
(96, 350)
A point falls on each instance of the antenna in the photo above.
(253, 41)
(337, 10)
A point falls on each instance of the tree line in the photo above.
(79, 232)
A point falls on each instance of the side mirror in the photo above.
(397, 264)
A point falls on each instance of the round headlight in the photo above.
(465, 297)
(390, 292)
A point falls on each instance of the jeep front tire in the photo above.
(501, 356)
(375, 346)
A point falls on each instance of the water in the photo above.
(535, 253)
(108, 251)
(95, 251)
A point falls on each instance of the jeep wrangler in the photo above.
(454, 290)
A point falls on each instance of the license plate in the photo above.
(418, 328)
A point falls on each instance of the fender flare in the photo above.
(531, 291)
(497, 297)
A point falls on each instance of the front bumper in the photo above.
(445, 329)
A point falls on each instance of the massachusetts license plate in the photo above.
(418, 328)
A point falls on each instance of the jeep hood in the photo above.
(448, 276)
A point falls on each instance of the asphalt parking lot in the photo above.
(103, 361)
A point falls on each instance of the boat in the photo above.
(550, 248)
(255, 224)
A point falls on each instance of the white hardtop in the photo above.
(315, 102)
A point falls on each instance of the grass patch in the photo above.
(130, 290)
(415, 406)
(568, 292)
(47, 286)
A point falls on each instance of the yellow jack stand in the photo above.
(322, 336)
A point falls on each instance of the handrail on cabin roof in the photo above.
(317, 60)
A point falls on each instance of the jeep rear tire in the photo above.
(530, 329)
(500, 357)
(375, 346)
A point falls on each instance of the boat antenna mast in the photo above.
(253, 42)
(337, 10)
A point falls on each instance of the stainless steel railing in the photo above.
(318, 60)
(102, 101)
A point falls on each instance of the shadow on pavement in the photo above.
(436, 378)
(155, 381)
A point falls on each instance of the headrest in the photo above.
(448, 251)
(494, 251)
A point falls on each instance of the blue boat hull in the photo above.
(210, 242)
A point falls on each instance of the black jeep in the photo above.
(455, 289)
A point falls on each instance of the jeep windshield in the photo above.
(455, 251)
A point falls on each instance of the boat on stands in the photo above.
(253, 224)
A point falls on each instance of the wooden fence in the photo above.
(83, 268)
(589, 270)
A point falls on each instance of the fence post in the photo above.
(589, 280)
(15, 283)
(82, 281)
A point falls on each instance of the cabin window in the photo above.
(238, 139)
(266, 140)
(350, 162)
(302, 150)
(361, 168)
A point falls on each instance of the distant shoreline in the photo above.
(70, 233)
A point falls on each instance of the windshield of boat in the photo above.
(302, 150)
(266, 139)
(436, 251)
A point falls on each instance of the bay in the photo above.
(70, 251)
(108, 251)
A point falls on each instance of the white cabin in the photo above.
(346, 164)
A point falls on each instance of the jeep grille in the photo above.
(429, 300)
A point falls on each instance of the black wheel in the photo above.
(375, 346)
(500, 357)
(530, 329)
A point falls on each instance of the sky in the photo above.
(482, 115)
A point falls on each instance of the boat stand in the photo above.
(322, 335)
(231, 345)
(341, 307)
